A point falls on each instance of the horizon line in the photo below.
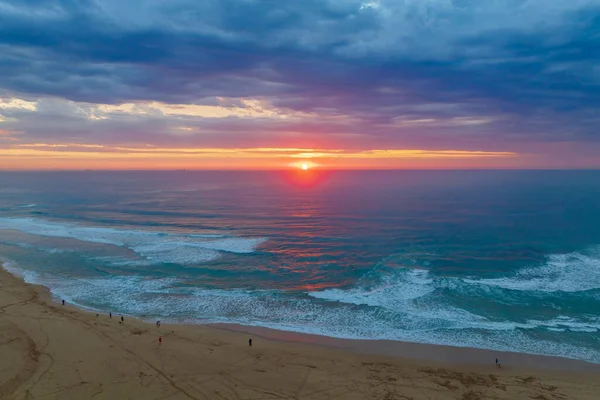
(293, 169)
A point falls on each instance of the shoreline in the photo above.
(51, 351)
(422, 352)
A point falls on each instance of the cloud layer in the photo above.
(517, 76)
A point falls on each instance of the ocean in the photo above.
(504, 260)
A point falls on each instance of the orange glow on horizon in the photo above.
(42, 156)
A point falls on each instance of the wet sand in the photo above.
(50, 351)
(458, 356)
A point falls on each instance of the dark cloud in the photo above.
(507, 74)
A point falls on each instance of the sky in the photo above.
(270, 84)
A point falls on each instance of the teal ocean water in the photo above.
(506, 260)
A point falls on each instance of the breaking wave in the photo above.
(152, 246)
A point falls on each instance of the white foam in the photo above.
(212, 236)
(27, 275)
(564, 323)
(416, 295)
(232, 245)
(153, 246)
(168, 252)
(410, 293)
(24, 245)
(573, 272)
(407, 284)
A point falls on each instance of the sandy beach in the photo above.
(51, 351)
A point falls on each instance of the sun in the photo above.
(302, 165)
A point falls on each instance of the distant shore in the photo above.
(52, 351)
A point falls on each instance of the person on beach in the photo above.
(110, 315)
(122, 319)
(496, 362)
(160, 340)
(158, 324)
(63, 302)
(499, 363)
(250, 342)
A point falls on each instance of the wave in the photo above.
(392, 289)
(28, 246)
(573, 272)
(407, 291)
(152, 246)
(565, 323)
(136, 295)
(407, 284)
(426, 301)
(172, 300)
